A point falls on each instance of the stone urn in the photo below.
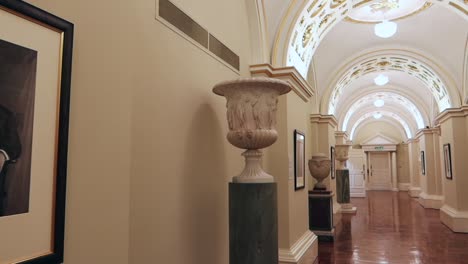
(342, 155)
(319, 167)
(251, 114)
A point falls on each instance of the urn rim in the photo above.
(281, 86)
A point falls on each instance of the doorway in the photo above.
(356, 166)
(379, 171)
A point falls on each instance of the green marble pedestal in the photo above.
(343, 191)
(253, 223)
(321, 214)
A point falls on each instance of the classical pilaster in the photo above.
(394, 172)
(431, 191)
(323, 129)
(454, 142)
(415, 172)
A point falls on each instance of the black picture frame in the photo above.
(333, 159)
(448, 161)
(423, 163)
(299, 160)
(44, 19)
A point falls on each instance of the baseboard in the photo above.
(297, 251)
(430, 201)
(414, 192)
(357, 195)
(378, 188)
(456, 220)
(404, 187)
(395, 190)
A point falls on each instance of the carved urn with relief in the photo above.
(342, 155)
(319, 167)
(251, 113)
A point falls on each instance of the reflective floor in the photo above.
(391, 227)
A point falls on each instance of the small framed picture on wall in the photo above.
(299, 160)
(448, 161)
(423, 163)
(332, 158)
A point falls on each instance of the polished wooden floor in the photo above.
(392, 228)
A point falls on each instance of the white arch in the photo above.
(310, 21)
(406, 104)
(403, 123)
(390, 121)
(392, 61)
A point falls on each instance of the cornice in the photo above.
(321, 119)
(299, 85)
(452, 113)
(428, 131)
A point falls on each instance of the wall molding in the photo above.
(431, 201)
(289, 74)
(456, 220)
(404, 187)
(318, 118)
(414, 192)
(452, 113)
(295, 253)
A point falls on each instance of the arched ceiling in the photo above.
(391, 63)
(332, 42)
(385, 115)
(395, 101)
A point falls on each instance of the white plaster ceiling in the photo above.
(436, 34)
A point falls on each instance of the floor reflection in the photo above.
(391, 227)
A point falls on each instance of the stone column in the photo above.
(342, 179)
(413, 150)
(454, 153)
(394, 173)
(431, 193)
(323, 129)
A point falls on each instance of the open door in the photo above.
(357, 178)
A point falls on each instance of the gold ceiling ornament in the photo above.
(383, 63)
(319, 9)
(324, 21)
(423, 8)
(384, 6)
(307, 35)
(312, 6)
(335, 3)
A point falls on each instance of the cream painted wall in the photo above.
(148, 134)
(369, 130)
(454, 132)
(181, 161)
(403, 168)
(298, 118)
(98, 194)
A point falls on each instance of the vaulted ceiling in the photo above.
(332, 43)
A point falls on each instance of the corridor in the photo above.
(391, 227)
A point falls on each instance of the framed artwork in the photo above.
(423, 163)
(35, 76)
(332, 158)
(299, 160)
(448, 161)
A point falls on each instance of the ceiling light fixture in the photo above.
(385, 29)
(381, 80)
(377, 115)
(379, 103)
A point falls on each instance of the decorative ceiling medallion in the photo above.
(371, 12)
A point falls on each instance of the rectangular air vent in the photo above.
(191, 29)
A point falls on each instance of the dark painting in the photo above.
(17, 89)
